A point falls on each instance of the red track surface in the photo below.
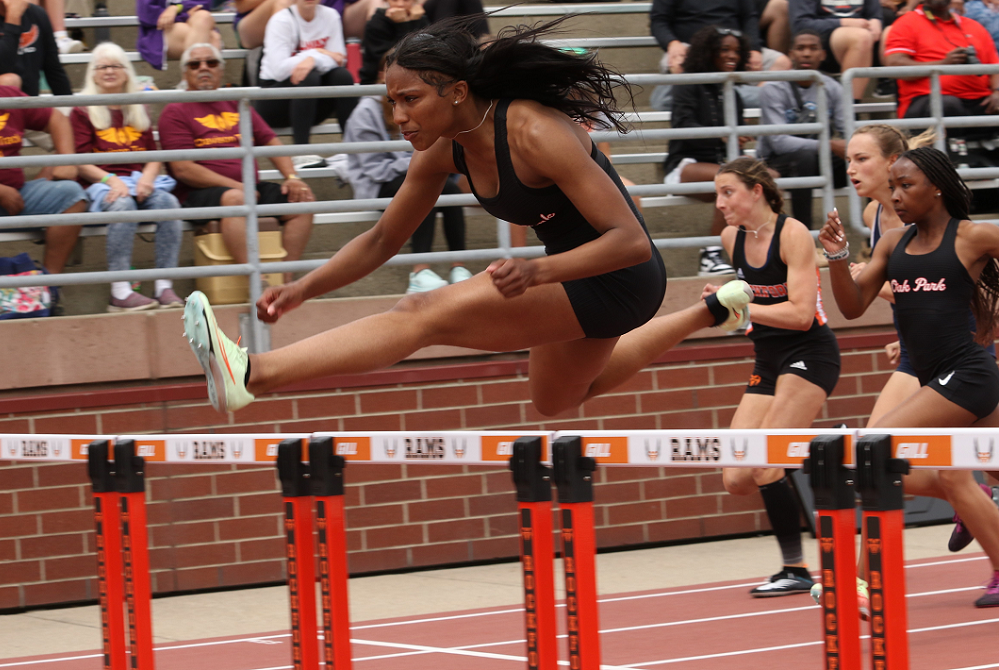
(703, 627)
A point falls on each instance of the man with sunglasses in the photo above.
(214, 182)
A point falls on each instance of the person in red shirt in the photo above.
(125, 187)
(54, 191)
(210, 183)
(933, 35)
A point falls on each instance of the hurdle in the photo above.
(312, 470)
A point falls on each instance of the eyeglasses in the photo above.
(728, 31)
(103, 68)
(196, 64)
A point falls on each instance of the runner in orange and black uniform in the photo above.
(797, 357)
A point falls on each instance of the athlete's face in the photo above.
(866, 167)
(912, 194)
(735, 201)
(421, 114)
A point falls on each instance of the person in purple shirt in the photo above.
(167, 28)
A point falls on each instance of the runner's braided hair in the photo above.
(514, 64)
(957, 200)
(752, 172)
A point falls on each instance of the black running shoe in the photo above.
(784, 583)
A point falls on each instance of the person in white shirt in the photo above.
(304, 46)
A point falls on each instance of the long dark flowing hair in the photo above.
(514, 64)
(957, 200)
(705, 45)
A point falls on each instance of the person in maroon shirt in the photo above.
(125, 187)
(210, 183)
(54, 191)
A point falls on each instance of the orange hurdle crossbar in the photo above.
(835, 505)
(537, 551)
(574, 482)
(879, 481)
(326, 476)
(297, 502)
(109, 568)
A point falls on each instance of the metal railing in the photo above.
(247, 153)
(936, 119)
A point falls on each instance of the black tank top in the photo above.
(556, 221)
(769, 282)
(932, 295)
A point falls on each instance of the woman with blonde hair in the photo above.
(122, 187)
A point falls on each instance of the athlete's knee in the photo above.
(738, 481)
(953, 481)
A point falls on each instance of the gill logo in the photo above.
(653, 449)
(798, 449)
(737, 453)
(598, 450)
(985, 455)
(223, 121)
(121, 136)
(913, 450)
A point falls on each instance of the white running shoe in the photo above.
(67, 45)
(712, 263)
(736, 295)
(222, 360)
(459, 273)
(425, 280)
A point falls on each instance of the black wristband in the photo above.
(718, 310)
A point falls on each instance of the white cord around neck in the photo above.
(480, 122)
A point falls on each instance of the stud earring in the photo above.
(938, 195)
(456, 102)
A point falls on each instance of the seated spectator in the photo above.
(934, 35)
(125, 187)
(438, 10)
(167, 28)
(252, 16)
(796, 102)
(28, 48)
(205, 182)
(674, 23)
(304, 47)
(54, 191)
(850, 31)
(56, 11)
(384, 31)
(712, 49)
(380, 175)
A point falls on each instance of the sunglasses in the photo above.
(729, 31)
(196, 64)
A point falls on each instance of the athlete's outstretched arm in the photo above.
(369, 250)
(854, 296)
(554, 149)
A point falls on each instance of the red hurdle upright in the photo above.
(297, 502)
(574, 482)
(109, 567)
(326, 473)
(879, 481)
(537, 551)
(836, 527)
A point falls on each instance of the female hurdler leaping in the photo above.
(506, 116)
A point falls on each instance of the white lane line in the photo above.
(495, 612)
(980, 667)
(463, 652)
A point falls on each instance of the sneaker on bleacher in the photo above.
(425, 280)
(712, 263)
(339, 164)
(308, 162)
(67, 45)
(135, 302)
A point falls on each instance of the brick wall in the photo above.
(215, 526)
